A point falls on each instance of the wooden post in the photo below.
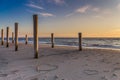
(52, 40)
(35, 34)
(26, 39)
(16, 36)
(80, 41)
(7, 37)
(12, 37)
(2, 37)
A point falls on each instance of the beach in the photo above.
(59, 63)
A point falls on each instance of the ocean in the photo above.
(112, 43)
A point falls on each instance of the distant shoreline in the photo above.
(98, 43)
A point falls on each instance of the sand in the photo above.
(59, 63)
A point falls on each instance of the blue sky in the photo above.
(57, 16)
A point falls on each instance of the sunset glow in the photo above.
(65, 18)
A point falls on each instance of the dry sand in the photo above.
(60, 63)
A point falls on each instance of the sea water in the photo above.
(113, 43)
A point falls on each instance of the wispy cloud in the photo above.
(118, 6)
(34, 6)
(92, 9)
(101, 11)
(83, 9)
(95, 9)
(59, 1)
(43, 14)
(46, 14)
(70, 14)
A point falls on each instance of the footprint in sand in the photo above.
(3, 75)
(106, 71)
(35, 79)
(116, 73)
(114, 77)
(86, 56)
(105, 61)
(13, 72)
(110, 77)
(75, 58)
(18, 78)
(91, 72)
(48, 77)
(117, 64)
(8, 73)
(46, 67)
(104, 78)
(116, 69)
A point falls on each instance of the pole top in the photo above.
(16, 22)
(52, 33)
(79, 33)
(35, 15)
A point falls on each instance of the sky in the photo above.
(64, 18)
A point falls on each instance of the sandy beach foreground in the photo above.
(59, 63)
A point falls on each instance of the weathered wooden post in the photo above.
(35, 34)
(52, 40)
(12, 37)
(2, 37)
(80, 41)
(26, 39)
(7, 37)
(16, 36)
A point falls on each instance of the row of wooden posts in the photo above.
(79, 37)
(35, 37)
(7, 37)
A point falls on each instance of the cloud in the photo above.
(83, 9)
(95, 9)
(59, 1)
(34, 6)
(46, 14)
(118, 6)
(101, 11)
(70, 14)
(43, 14)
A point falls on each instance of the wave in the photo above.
(113, 43)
